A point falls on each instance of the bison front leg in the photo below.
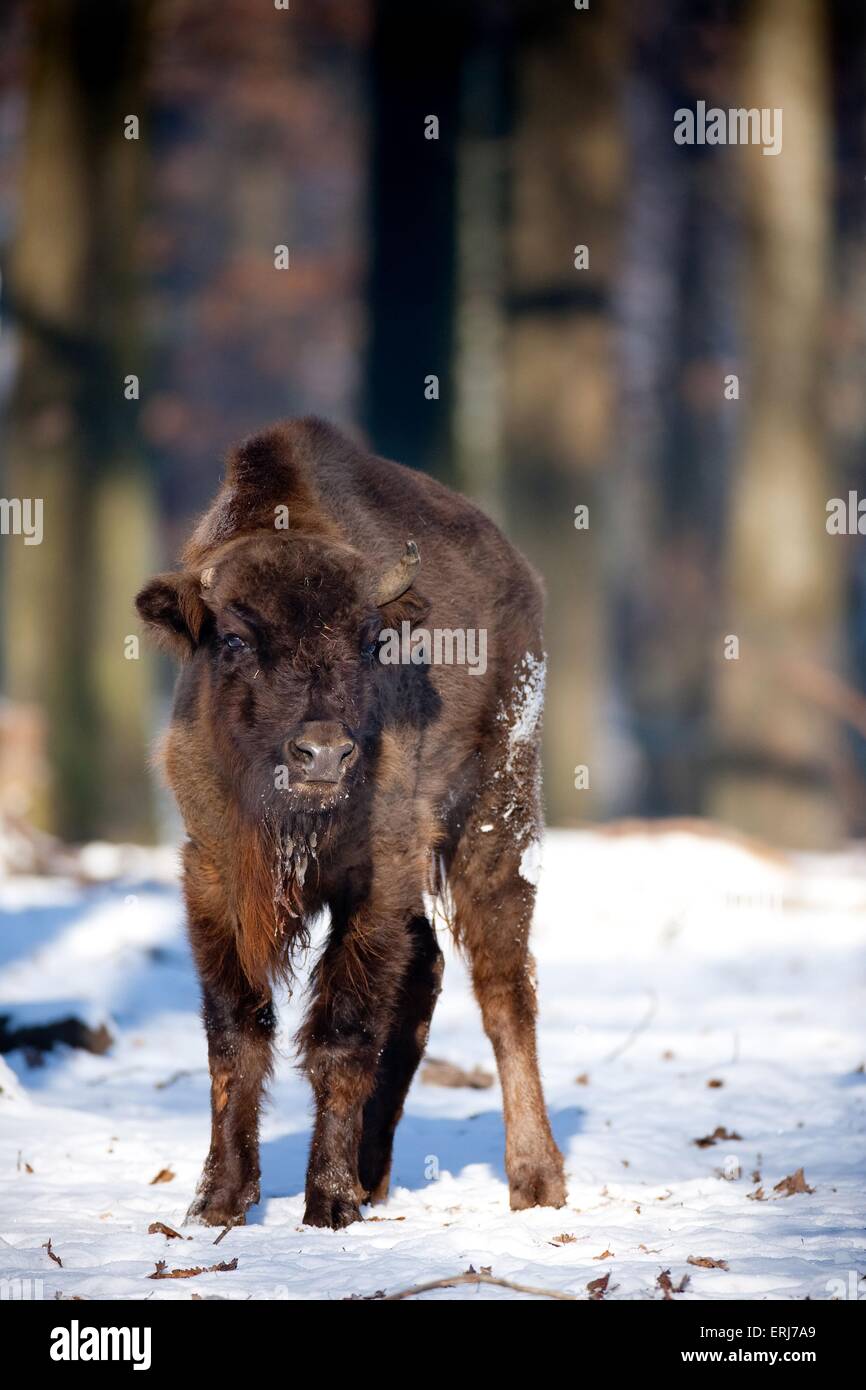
(357, 985)
(240, 1031)
(239, 1021)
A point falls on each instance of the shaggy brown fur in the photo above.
(311, 775)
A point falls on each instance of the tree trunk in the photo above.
(783, 570)
(567, 186)
(72, 435)
(415, 74)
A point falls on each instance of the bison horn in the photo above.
(396, 580)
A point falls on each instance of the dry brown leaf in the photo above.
(705, 1262)
(719, 1133)
(582, 1080)
(598, 1287)
(159, 1228)
(714, 1083)
(164, 1175)
(51, 1255)
(605, 1255)
(792, 1184)
(564, 1239)
(668, 1288)
(437, 1072)
(757, 1195)
(161, 1272)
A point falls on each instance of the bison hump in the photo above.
(275, 468)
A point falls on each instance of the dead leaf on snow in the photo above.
(705, 1262)
(792, 1184)
(728, 1136)
(757, 1195)
(582, 1080)
(605, 1255)
(161, 1272)
(437, 1072)
(715, 1082)
(598, 1287)
(668, 1288)
(164, 1175)
(564, 1239)
(51, 1255)
(159, 1228)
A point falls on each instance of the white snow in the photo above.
(665, 961)
(530, 862)
(522, 713)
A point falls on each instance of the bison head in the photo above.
(281, 636)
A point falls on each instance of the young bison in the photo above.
(312, 774)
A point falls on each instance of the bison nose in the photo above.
(320, 750)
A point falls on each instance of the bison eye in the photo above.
(233, 643)
(368, 651)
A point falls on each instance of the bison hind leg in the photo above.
(403, 1051)
(493, 894)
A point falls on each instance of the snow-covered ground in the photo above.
(691, 984)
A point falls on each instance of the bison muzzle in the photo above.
(312, 775)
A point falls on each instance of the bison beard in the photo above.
(311, 776)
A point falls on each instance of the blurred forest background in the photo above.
(559, 387)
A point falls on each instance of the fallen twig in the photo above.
(636, 1031)
(471, 1276)
(178, 1076)
(51, 1255)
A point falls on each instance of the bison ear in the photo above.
(410, 607)
(171, 606)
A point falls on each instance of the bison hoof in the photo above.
(335, 1212)
(537, 1183)
(218, 1209)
